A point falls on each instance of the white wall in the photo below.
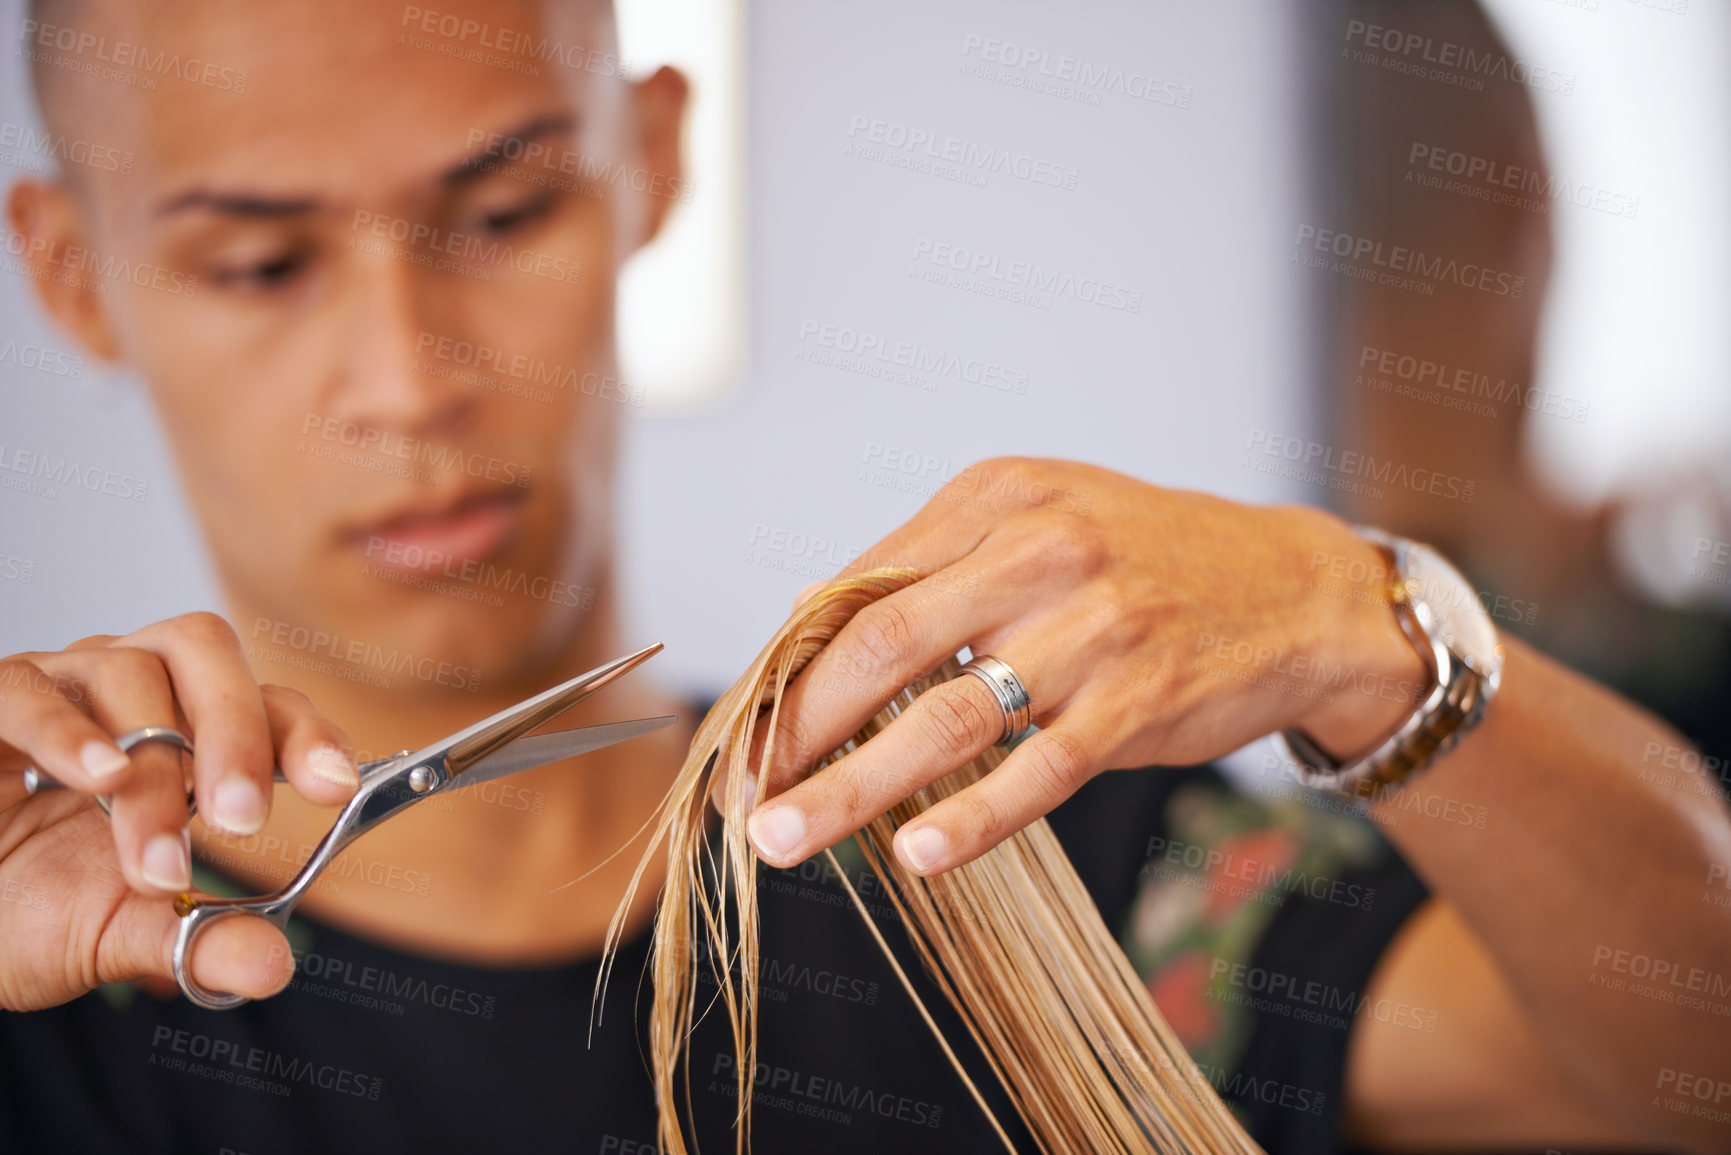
(1194, 207)
(1638, 318)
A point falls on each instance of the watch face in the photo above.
(1449, 610)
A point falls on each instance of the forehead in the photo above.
(349, 98)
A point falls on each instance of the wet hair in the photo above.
(1013, 941)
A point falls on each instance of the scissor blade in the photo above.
(468, 747)
(540, 749)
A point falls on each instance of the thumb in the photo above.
(243, 955)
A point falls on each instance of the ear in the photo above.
(45, 216)
(658, 107)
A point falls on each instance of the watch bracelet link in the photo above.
(1435, 737)
(1425, 737)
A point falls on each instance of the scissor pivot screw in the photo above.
(421, 779)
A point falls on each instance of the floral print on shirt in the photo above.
(1210, 887)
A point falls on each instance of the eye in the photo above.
(272, 272)
(517, 216)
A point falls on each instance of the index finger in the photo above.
(896, 639)
(870, 660)
(944, 531)
(233, 764)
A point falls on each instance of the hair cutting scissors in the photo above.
(491, 748)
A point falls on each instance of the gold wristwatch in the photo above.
(1440, 614)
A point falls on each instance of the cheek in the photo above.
(578, 440)
(251, 471)
(246, 484)
(576, 311)
(556, 337)
(550, 318)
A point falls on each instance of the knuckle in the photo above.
(287, 697)
(31, 677)
(985, 816)
(855, 794)
(1115, 609)
(884, 635)
(135, 667)
(987, 475)
(955, 721)
(950, 489)
(790, 744)
(20, 674)
(1016, 477)
(1005, 465)
(1058, 764)
(1071, 545)
(288, 709)
(205, 627)
(17, 668)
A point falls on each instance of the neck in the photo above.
(524, 869)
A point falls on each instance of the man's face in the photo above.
(391, 389)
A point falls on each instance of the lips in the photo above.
(474, 527)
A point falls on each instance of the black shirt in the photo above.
(373, 1050)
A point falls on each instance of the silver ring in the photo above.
(1012, 696)
(149, 734)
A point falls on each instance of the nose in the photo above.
(381, 379)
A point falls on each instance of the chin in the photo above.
(505, 642)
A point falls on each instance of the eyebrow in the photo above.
(238, 204)
(271, 208)
(552, 124)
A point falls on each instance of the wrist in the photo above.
(1381, 677)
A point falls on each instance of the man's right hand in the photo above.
(87, 899)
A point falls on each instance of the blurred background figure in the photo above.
(1452, 375)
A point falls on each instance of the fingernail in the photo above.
(924, 848)
(804, 595)
(748, 792)
(776, 831)
(334, 764)
(100, 759)
(239, 805)
(166, 863)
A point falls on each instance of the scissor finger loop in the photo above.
(198, 913)
(491, 748)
